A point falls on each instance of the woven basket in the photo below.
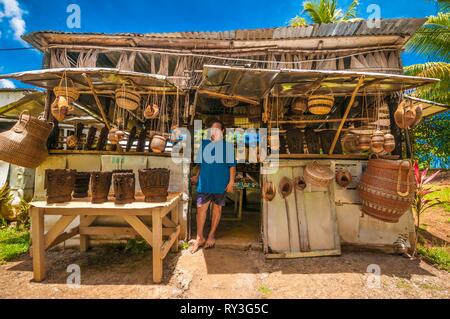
(318, 175)
(26, 143)
(320, 104)
(299, 106)
(154, 184)
(70, 93)
(387, 189)
(229, 102)
(59, 184)
(127, 99)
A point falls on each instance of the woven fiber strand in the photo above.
(26, 143)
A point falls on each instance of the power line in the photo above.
(16, 49)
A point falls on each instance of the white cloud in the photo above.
(13, 13)
(6, 84)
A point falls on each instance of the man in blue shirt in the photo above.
(214, 179)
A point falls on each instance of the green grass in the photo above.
(13, 243)
(443, 194)
(438, 256)
(264, 291)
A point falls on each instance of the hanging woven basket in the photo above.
(127, 99)
(318, 175)
(320, 104)
(229, 102)
(70, 93)
(26, 143)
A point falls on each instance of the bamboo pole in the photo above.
(362, 119)
(347, 111)
(224, 96)
(97, 100)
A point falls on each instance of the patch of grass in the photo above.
(430, 286)
(443, 194)
(13, 243)
(423, 226)
(137, 246)
(403, 284)
(264, 291)
(438, 256)
(184, 245)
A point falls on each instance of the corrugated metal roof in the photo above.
(401, 27)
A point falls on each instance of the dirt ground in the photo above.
(224, 273)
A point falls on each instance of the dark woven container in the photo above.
(295, 137)
(59, 184)
(312, 141)
(326, 140)
(154, 184)
(100, 185)
(124, 187)
(81, 187)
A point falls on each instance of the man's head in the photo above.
(217, 129)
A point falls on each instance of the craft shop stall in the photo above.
(334, 170)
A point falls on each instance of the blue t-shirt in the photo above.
(215, 159)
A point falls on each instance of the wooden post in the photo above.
(347, 111)
(97, 100)
(157, 244)
(38, 243)
(174, 216)
(393, 102)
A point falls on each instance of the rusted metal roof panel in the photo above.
(401, 27)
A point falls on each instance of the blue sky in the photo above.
(19, 16)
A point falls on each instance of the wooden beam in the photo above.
(347, 111)
(170, 242)
(357, 119)
(57, 229)
(65, 236)
(141, 229)
(224, 96)
(97, 100)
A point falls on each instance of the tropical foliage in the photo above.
(324, 11)
(432, 42)
(422, 202)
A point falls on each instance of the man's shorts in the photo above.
(204, 198)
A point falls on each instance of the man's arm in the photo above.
(230, 186)
(194, 177)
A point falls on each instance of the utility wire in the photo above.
(16, 49)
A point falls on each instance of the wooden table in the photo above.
(164, 216)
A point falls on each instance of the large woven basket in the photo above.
(70, 93)
(26, 143)
(318, 175)
(387, 189)
(320, 104)
(127, 99)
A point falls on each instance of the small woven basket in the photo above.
(318, 175)
(127, 99)
(320, 104)
(70, 93)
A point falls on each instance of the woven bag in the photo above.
(26, 143)
(127, 99)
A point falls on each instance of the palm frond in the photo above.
(351, 11)
(438, 92)
(433, 39)
(297, 21)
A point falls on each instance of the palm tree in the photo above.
(432, 42)
(324, 11)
